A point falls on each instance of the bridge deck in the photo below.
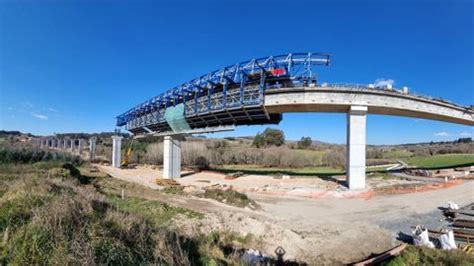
(260, 90)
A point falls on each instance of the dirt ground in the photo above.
(323, 230)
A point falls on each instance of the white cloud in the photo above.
(52, 110)
(39, 116)
(465, 134)
(27, 105)
(381, 82)
(442, 134)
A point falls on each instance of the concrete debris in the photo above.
(340, 188)
(193, 190)
(223, 187)
(234, 175)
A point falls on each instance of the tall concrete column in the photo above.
(72, 144)
(356, 141)
(53, 143)
(41, 143)
(116, 151)
(92, 144)
(171, 158)
(64, 144)
(80, 146)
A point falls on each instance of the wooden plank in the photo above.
(463, 224)
(464, 231)
(383, 256)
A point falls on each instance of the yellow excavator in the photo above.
(127, 155)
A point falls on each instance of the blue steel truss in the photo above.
(234, 87)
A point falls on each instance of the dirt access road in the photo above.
(323, 230)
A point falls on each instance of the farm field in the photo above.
(442, 161)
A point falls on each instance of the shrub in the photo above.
(17, 211)
(334, 159)
(154, 153)
(10, 154)
(30, 246)
(304, 142)
(269, 137)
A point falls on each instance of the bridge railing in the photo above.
(354, 86)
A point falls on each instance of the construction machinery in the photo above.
(127, 155)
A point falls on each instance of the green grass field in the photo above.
(442, 161)
(305, 171)
(396, 154)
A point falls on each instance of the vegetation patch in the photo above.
(17, 211)
(11, 154)
(174, 190)
(413, 255)
(230, 197)
(157, 212)
(51, 213)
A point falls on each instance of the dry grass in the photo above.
(203, 154)
(54, 217)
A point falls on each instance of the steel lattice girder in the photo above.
(218, 84)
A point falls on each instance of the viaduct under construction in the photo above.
(259, 91)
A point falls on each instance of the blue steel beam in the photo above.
(236, 74)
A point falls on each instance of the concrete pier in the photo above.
(72, 144)
(171, 158)
(356, 140)
(80, 146)
(64, 144)
(92, 146)
(116, 151)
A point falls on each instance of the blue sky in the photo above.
(72, 66)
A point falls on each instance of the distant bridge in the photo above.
(260, 90)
